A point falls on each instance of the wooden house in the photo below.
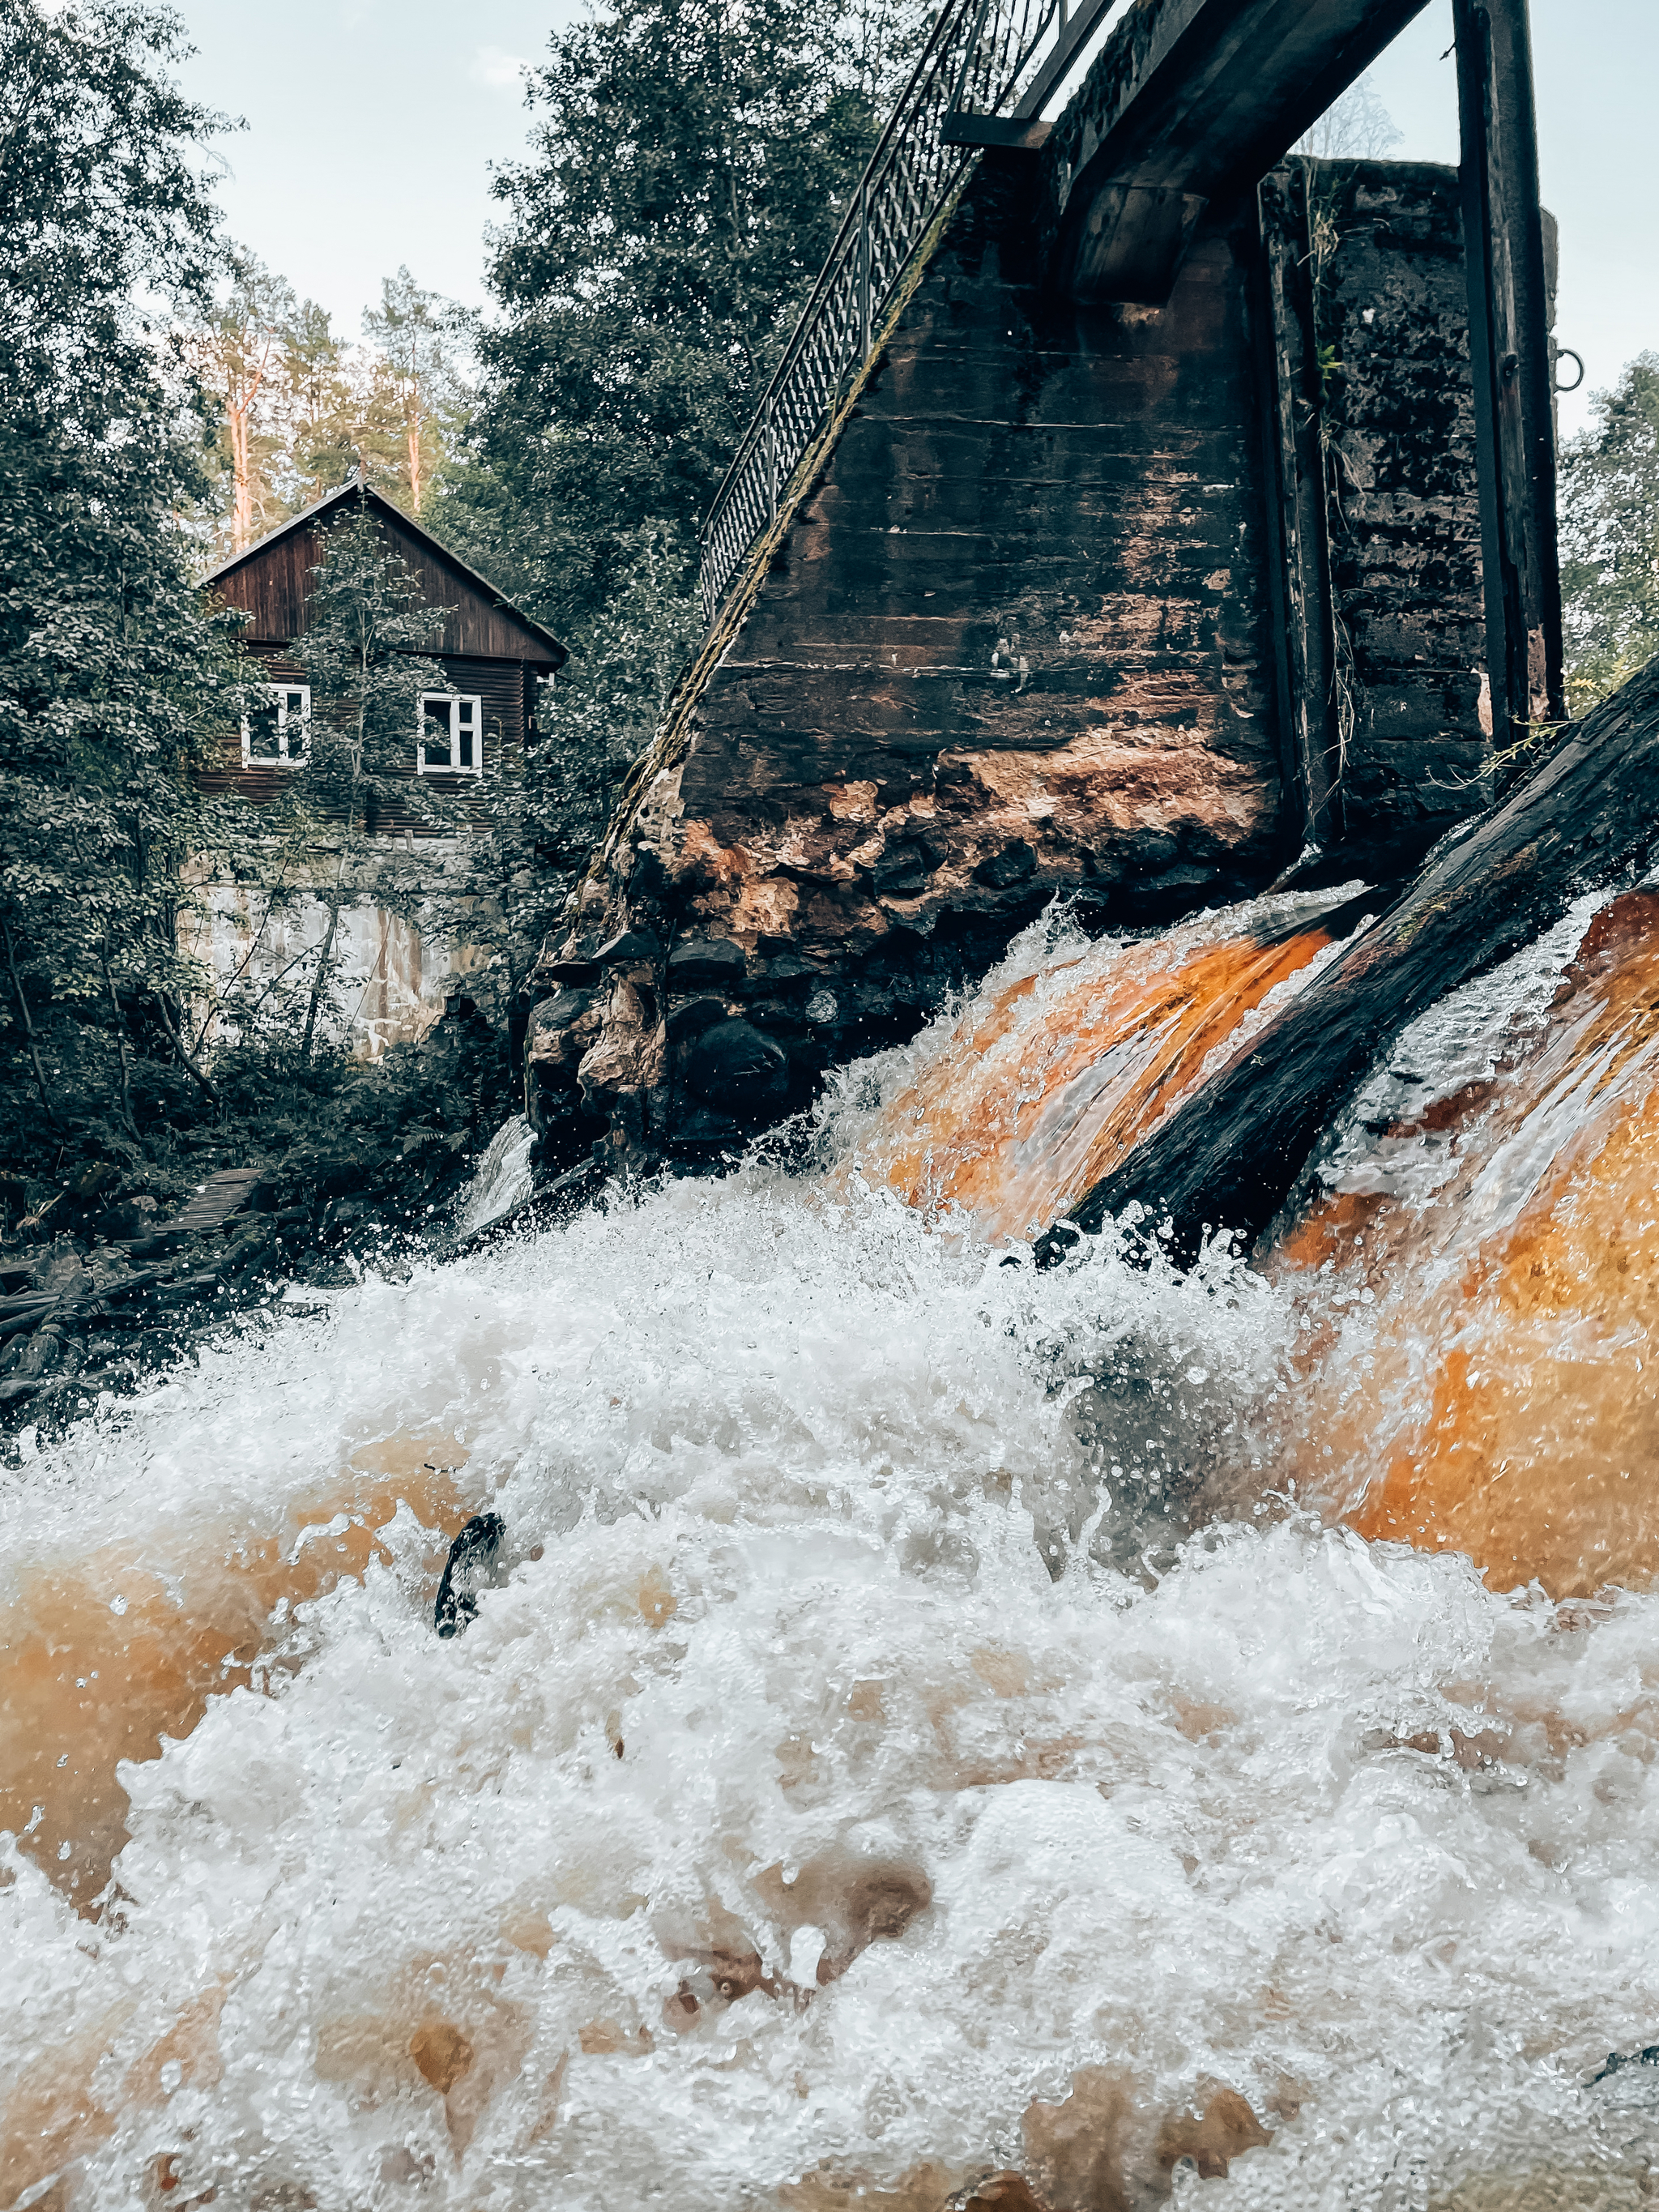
(402, 945)
(498, 663)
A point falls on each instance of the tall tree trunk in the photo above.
(239, 415)
(241, 476)
(28, 1026)
(120, 1039)
(412, 424)
(319, 979)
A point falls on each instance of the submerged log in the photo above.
(1229, 1155)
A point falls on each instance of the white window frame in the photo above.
(456, 702)
(284, 756)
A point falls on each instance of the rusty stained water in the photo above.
(1484, 1269)
(106, 1656)
(1047, 1077)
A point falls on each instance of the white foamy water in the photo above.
(503, 1179)
(821, 1795)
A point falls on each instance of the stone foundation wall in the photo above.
(397, 966)
(1022, 637)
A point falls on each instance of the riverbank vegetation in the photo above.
(165, 399)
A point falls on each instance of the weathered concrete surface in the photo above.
(402, 948)
(1022, 637)
(1403, 500)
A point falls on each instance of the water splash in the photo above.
(1072, 1049)
(503, 1180)
(832, 1808)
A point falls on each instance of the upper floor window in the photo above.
(276, 725)
(450, 737)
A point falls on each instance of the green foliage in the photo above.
(1608, 501)
(545, 825)
(113, 677)
(97, 197)
(363, 652)
(691, 162)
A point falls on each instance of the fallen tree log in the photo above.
(1227, 1157)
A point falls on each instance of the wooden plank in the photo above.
(1510, 322)
(220, 1196)
(1229, 1154)
(270, 582)
(1299, 562)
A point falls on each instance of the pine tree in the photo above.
(241, 357)
(321, 449)
(692, 162)
(419, 339)
(1609, 508)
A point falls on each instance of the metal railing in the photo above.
(981, 57)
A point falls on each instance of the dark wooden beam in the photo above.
(1509, 354)
(1299, 550)
(1189, 101)
(1230, 1153)
(1011, 134)
(1075, 32)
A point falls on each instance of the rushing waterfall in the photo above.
(1135, 1732)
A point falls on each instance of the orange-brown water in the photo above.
(1504, 1397)
(104, 1658)
(1044, 1086)
(1507, 1403)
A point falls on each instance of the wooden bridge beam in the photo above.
(1191, 101)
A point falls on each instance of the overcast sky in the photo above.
(372, 124)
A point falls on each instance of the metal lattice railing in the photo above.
(982, 56)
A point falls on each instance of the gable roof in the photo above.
(267, 579)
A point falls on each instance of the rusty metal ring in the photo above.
(1567, 353)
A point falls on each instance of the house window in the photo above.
(450, 737)
(276, 725)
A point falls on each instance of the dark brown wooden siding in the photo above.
(271, 585)
(509, 692)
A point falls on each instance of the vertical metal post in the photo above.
(865, 316)
(1509, 354)
(771, 466)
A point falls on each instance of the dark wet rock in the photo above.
(1618, 2061)
(694, 1015)
(699, 962)
(469, 1568)
(732, 1067)
(1012, 865)
(903, 869)
(631, 947)
(698, 1127)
